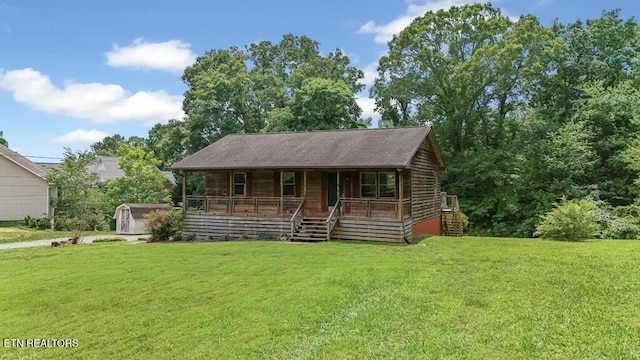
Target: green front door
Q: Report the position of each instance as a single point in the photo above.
(332, 189)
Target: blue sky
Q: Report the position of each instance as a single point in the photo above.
(74, 71)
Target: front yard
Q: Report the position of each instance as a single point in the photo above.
(447, 298)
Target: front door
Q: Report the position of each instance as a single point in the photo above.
(332, 189)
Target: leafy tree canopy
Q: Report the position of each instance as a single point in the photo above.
(269, 86)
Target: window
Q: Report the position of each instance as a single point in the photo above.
(289, 184)
(378, 185)
(239, 183)
(387, 184)
(368, 184)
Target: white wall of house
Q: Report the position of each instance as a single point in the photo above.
(22, 193)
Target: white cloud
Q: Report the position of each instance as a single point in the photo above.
(370, 72)
(96, 102)
(385, 32)
(368, 106)
(172, 55)
(78, 137)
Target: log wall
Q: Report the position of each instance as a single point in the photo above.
(220, 226)
(425, 184)
(377, 230)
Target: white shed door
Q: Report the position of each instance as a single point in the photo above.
(125, 215)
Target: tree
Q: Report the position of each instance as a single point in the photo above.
(167, 141)
(321, 104)
(142, 182)
(79, 203)
(109, 145)
(256, 89)
(2, 140)
(466, 71)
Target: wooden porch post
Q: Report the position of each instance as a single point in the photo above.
(230, 196)
(400, 195)
(281, 192)
(184, 192)
(304, 184)
(338, 185)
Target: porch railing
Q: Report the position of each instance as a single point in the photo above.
(332, 220)
(375, 208)
(297, 217)
(242, 205)
(449, 202)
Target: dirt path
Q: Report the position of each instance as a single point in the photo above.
(85, 240)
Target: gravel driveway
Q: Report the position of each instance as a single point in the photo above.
(85, 240)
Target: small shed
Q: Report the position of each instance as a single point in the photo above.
(130, 217)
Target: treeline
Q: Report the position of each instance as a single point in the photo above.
(525, 114)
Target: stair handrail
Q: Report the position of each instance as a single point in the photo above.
(332, 220)
(297, 217)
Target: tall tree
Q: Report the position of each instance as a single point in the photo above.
(142, 182)
(2, 140)
(108, 146)
(465, 70)
(167, 141)
(469, 72)
(254, 89)
(79, 203)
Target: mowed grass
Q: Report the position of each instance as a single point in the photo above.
(16, 234)
(446, 298)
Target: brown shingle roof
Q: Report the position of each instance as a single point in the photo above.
(22, 161)
(363, 148)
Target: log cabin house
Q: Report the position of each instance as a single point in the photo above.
(365, 184)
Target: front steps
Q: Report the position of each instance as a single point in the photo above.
(311, 229)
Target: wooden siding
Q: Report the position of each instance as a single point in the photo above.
(216, 183)
(374, 229)
(425, 184)
(316, 199)
(262, 183)
(234, 227)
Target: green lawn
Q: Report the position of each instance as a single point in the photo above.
(15, 234)
(446, 298)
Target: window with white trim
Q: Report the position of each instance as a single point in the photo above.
(239, 183)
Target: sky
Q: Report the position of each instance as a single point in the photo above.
(75, 71)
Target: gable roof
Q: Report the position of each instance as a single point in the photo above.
(107, 168)
(22, 161)
(361, 148)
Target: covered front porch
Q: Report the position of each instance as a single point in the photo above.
(311, 202)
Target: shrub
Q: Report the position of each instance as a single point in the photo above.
(29, 222)
(573, 220)
(189, 237)
(43, 223)
(621, 222)
(163, 225)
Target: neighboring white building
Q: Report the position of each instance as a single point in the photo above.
(23, 188)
